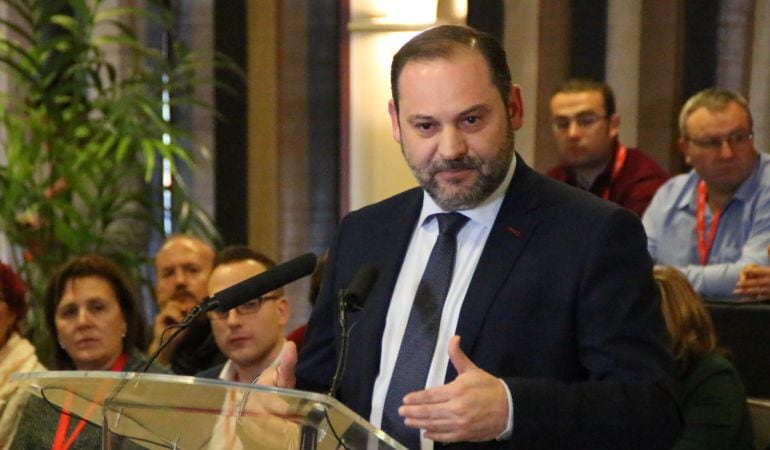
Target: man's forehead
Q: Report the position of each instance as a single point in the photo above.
(705, 119)
(231, 273)
(457, 55)
(180, 250)
(464, 80)
(576, 102)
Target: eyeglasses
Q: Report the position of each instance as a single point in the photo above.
(250, 307)
(581, 120)
(735, 140)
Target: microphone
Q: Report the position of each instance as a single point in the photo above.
(351, 299)
(260, 284)
(355, 295)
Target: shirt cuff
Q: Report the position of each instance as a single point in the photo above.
(506, 434)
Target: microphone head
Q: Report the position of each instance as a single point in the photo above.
(265, 282)
(360, 286)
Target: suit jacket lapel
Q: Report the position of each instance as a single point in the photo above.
(509, 235)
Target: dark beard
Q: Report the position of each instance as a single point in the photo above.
(491, 174)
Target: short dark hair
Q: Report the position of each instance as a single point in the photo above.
(93, 265)
(713, 99)
(442, 42)
(237, 253)
(575, 85)
(13, 292)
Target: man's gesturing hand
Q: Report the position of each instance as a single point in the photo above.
(473, 407)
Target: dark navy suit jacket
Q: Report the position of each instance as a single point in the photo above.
(562, 307)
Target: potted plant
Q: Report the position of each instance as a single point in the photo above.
(83, 134)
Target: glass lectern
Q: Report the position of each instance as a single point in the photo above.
(178, 412)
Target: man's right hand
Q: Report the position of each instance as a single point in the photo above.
(173, 313)
(282, 375)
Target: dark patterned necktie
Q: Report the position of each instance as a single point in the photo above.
(419, 342)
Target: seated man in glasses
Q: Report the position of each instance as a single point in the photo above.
(252, 334)
(715, 220)
(585, 126)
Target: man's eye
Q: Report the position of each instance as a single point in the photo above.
(471, 120)
(424, 126)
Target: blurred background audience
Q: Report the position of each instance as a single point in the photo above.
(714, 220)
(586, 127)
(716, 414)
(16, 353)
(96, 324)
(182, 268)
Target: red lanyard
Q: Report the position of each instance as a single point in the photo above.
(60, 439)
(704, 247)
(620, 160)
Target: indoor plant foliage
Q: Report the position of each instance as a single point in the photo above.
(83, 133)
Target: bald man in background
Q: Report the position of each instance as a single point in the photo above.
(182, 268)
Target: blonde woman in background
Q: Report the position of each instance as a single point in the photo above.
(714, 407)
(16, 353)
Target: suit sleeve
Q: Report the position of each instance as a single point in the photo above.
(627, 394)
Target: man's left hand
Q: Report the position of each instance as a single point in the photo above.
(754, 282)
(473, 407)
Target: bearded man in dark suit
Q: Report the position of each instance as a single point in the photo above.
(550, 335)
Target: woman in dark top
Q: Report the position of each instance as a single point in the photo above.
(716, 415)
(96, 324)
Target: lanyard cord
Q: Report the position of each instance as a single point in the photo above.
(704, 246)
(60, 439)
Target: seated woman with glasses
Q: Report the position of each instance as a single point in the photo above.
(95, 324)
(713, 399)
(16, 353)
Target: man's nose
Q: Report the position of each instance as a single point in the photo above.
(573, 130)
(233, 319)
(725, 150)
(180, 277)
(452, 144)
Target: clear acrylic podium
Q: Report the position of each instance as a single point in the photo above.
(156, 411)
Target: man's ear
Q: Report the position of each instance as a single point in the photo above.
(515, 107)
(395, 127)
(284, 310)
(614, 126)
(684, 147)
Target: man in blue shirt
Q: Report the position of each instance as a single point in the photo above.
(715, 220)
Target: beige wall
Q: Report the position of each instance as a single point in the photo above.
(377, 169)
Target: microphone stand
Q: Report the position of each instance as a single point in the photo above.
(344, 305)
(308, 433)
(204, 306)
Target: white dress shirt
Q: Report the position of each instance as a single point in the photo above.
(470, 243)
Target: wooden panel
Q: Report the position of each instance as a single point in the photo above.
(263, 125)
(660, 80)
